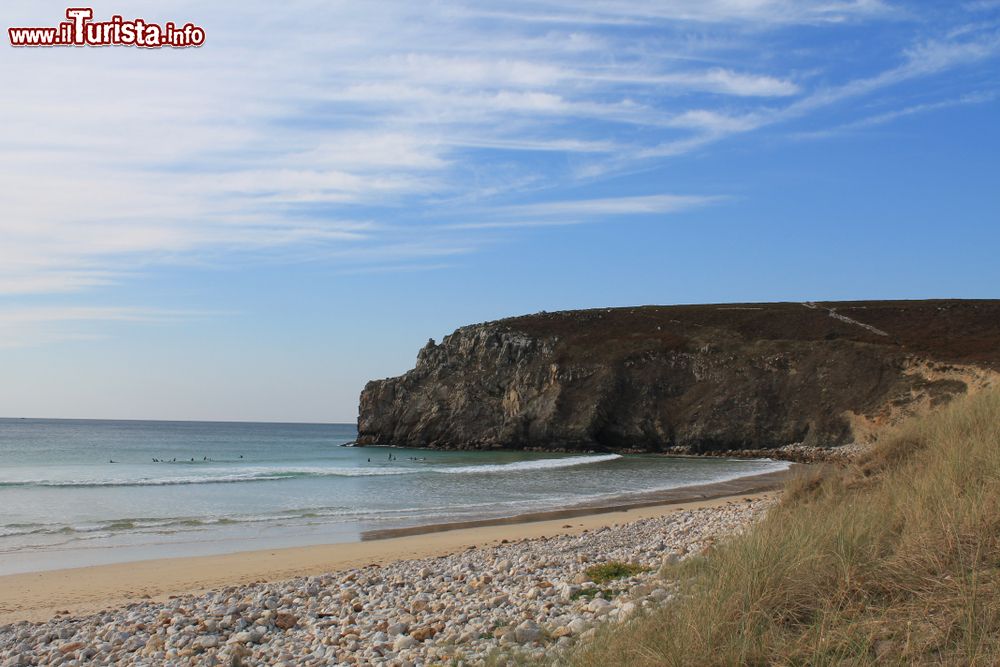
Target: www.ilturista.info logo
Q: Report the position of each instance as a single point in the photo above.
(80, 30)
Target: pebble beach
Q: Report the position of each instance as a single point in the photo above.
(529, 596)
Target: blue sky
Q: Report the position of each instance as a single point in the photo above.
(252, 229)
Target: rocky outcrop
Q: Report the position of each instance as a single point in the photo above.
(699, 378)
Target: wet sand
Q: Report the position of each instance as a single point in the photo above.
(751, 484)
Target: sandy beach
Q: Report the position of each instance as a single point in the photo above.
(38, 596)
(400, 598)
(456, 597)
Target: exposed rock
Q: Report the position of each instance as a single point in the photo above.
(285, 621)
(567, 591)
(241, 638)
(527, 632)
(686, 378)
(659, 595)
(422, 633)
(396, 629)
(627, 610)
(600, 606)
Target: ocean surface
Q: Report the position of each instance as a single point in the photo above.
(194, 488)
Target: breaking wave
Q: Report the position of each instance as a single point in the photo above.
(270, 474)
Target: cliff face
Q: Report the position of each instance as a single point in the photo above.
(700, 377)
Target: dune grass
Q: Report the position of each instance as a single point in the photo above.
(893, 560)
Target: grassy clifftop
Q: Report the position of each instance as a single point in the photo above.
(893, 560)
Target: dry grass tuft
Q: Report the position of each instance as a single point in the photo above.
(894, 560)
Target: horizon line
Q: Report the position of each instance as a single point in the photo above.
(181, 421)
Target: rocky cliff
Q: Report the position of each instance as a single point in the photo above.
(700, 378)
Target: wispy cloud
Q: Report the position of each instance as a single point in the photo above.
(30, 326)
(348, 134)
(611, 206)
(982, 5)
(889, 116)
(394, 268)
(924, 59)
(754, 12)
(577, 211)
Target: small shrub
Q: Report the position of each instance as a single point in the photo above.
(600, 574)
(590, 593)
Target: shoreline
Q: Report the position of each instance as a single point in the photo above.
(746, 485)
(531, 594)
(38, 596)
(792, 453)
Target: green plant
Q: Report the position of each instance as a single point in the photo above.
(605, 572)
(590, 593)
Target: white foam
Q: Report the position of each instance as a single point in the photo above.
(263, 473)
(217, 477)
(541, 464)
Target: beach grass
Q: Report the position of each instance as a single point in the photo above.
(894, 559)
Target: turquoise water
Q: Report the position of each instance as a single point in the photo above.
(189, 488)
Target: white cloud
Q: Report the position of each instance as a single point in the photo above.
(576, 211)
(925, 59)
(981, 5)
(889, 116)
(735, 83)
(714, 122)
(754, 12)
(342, 132)
(31, 326)
(394, 268)
(612, 206)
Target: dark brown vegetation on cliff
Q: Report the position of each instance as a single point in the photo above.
(962, 331)
(700, 378)
(892, 560)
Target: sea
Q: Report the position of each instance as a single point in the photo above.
(87, 492)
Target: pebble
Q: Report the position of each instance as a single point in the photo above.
(600, 607)
(456, 609)
(528, 631)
